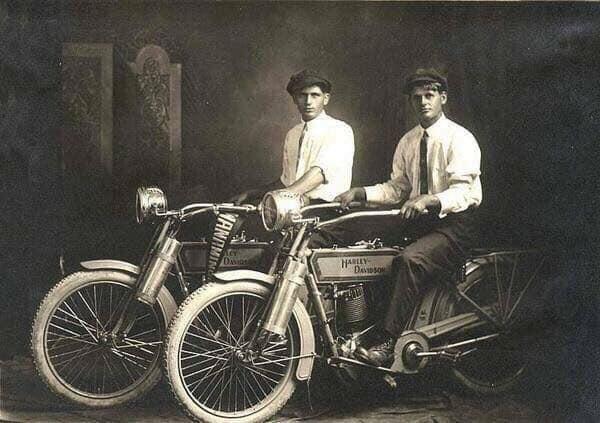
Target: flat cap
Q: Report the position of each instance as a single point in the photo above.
(307, 78)
(424, 76)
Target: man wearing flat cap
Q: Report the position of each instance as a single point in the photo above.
(318, 152)
(435, 178)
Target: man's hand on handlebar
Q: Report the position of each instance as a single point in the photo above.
(419, 206)
(357, 194)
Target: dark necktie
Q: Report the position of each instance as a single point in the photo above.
(304, 130)
(423, 164)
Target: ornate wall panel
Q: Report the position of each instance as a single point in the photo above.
(158, 109)
(87, 97)
(87, 136)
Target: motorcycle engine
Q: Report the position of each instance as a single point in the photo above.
(353, 309)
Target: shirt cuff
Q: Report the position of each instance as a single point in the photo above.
(373, 194)
(325, 179)
(445, 203)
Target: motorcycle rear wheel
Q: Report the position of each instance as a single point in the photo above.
(74, 353)
(500, 364)
(207, 378)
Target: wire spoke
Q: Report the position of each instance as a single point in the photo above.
(257, 384)
(124, 298)
(224, 365)
(499, 289)
(57, 339)
(209, 340)
(131, 358)
(88, 349)
(255, 313)
(94, 315)
(83, 324)
(129, 337)
(258, 372)
(524, 290)
(225, 325)
(512, 279)
(212, 356)
(73, 322)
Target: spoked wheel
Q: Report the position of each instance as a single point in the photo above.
(73, 348)
(210, 371)
(505, 285)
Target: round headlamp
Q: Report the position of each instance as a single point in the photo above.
(278, 208)
(148, 202)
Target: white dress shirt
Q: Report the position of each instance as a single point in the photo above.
(327, 144)
(453, 168)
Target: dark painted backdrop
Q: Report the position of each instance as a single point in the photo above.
(523, 77)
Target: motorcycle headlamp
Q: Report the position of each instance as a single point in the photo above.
(148, 202)
(278, 208)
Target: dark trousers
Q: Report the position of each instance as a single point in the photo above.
(441, 246)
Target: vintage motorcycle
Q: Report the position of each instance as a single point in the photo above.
(97, 335)
(238, 345)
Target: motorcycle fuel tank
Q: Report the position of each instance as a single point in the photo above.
(244, 255)
(351, 264)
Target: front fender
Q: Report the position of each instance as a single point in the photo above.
(236, 275)
(307, 335)
(109, 264)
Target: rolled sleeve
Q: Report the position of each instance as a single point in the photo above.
(398, 187)
(286, 176)
(335, 157)
(463, 170)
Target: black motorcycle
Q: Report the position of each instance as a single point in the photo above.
(238, 345)
(97, 336)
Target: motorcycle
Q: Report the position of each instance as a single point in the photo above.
(239, 345)
(97, 335)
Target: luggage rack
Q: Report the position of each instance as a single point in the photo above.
(514, 271)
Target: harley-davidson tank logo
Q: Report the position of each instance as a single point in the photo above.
(195, 256)
(240, 257)
(335, 266)
(362, 265)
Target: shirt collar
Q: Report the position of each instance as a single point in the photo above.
(436, 127)
(321, 116)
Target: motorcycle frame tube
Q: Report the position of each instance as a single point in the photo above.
(305, 328)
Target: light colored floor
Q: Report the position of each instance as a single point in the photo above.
(23, 398)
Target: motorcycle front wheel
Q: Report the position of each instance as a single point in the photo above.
(73, 349)
(206, 365)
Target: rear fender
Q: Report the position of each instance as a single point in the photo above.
(307, 335)
(440, 297)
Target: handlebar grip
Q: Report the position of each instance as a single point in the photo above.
(356, 204)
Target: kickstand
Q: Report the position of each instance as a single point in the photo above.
(308, 394)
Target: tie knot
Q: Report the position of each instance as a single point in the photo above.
(425, 134)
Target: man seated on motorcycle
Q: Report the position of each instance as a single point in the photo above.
(318, 152)
(435, 176)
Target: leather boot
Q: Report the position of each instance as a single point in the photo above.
(381, 355)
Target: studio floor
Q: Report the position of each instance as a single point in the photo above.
(424, 399)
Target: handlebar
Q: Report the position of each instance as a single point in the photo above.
(332, 205)
(196, 209)
(356, 215)
(345, 217)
